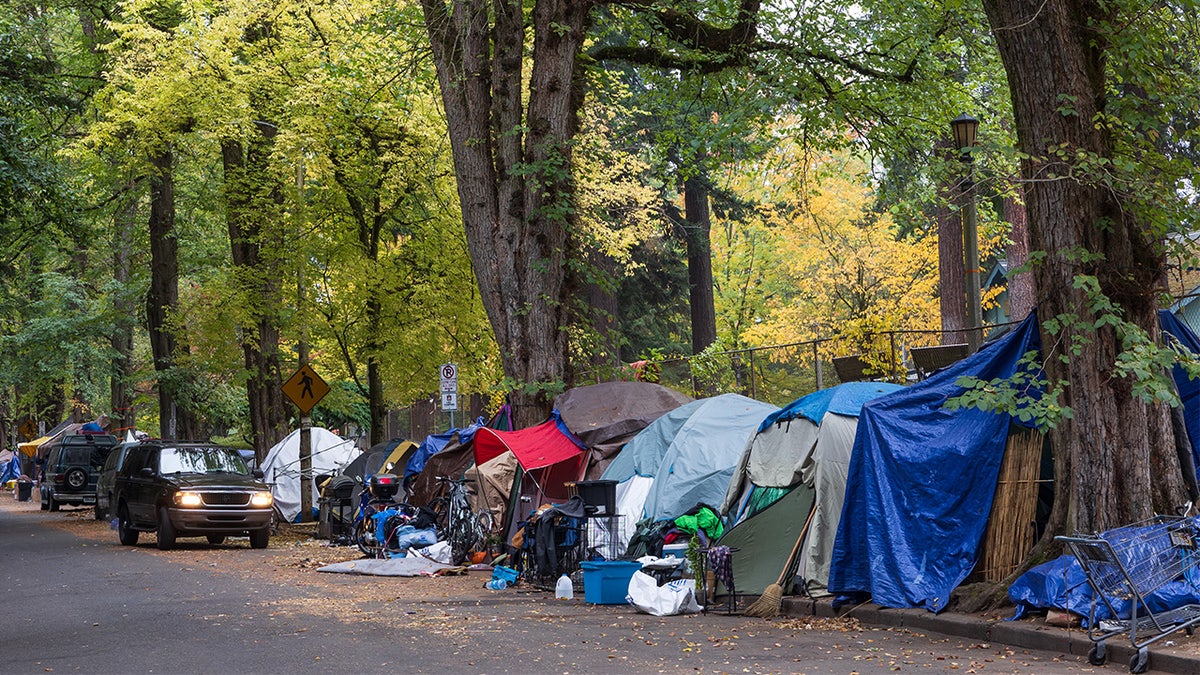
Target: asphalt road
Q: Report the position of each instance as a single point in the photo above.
(83, 603)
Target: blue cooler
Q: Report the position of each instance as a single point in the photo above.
(607, 582)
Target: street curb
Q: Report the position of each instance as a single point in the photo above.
(981, 628)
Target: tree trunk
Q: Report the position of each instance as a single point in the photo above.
(699, 253)
(1107, 454)
(174, 417)
(122, 414)
(951, 291)
(250, 211)
(1020, 284)
(513, 172)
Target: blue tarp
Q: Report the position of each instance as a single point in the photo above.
(434, 443)
(921, 483)
(10, 470)
(1189, 390)
(844, 399)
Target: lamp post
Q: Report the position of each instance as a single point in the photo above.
(965, 128)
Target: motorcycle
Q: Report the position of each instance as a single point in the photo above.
(378, 514)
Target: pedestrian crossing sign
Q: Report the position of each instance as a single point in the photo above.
(305, 388)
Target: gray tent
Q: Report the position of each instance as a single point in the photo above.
(804, 448)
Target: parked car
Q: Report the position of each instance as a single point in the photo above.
(71, 469)
(189, 489)
(108, 474)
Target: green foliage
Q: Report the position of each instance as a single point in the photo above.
(1026, 395)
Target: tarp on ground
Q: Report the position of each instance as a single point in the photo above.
(921, 482)
(684, 458)
(435, 443)
(608, 415)
(412, 566)
(330, 455)
(1189, 390)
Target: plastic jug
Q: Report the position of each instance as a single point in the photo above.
(564, 589)
(497, 584)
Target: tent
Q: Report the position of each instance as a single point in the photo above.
(435, 443)
(920, 484)
(30, 449)
(453, 460)
(1189, 390)
(548, 455)
(606, 416)
(330, 455)
(684, 458)
(10, 466)
(922, 479)
(806, 444)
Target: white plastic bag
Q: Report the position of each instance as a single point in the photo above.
(676, 597)
(439, 552)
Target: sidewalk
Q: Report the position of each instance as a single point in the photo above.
(1183, 656)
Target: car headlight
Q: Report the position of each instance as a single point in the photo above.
(261, 500)
(188, 499)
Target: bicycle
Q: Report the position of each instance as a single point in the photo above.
(376, 506)
(456, 523)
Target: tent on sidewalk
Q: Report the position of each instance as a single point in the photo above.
(547, 457)
(805, 445)
(915, 462)
(330, 455)
(608, 415)
(684, 458)
(452, 461)
(435, 443)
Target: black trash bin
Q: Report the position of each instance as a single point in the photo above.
(24, 490)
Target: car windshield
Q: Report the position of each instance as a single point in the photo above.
(200, 460)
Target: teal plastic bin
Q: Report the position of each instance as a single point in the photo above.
(607, 582)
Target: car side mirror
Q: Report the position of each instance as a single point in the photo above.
(146, 472)
(258, 473)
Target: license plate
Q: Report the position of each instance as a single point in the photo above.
(89, 500)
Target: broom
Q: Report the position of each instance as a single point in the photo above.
(767, 605)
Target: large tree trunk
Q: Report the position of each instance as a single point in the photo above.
(1108, 453)
(124, 223)
(250, 204)
(174, 417)
(513, 173)
(699, 252)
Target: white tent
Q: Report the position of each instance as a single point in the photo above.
(330, 454)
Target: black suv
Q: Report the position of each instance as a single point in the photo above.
(71, 468)
(185, 489)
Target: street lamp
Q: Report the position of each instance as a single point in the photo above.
(964, 127)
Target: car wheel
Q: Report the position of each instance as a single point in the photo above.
(100, 512)
(125, 531)
(260, 538)
(52, 501)
(166, 531)
(42, 498)
(216, 539)
(76, 478)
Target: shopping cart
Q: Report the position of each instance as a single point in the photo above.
(1126, 565)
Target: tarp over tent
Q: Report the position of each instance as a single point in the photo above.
(330, 454)
(606, 416)
(921, 482)
(1189, 390)
(435, 443)
(916, 464)
(684, 458)
(548, 451)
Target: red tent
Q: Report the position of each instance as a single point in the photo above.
(548, 453)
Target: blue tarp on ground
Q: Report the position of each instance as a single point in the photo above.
(921, 483)
(434, 443)
(1189, 390)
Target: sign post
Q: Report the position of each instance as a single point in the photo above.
(305, 388)
(448, 375)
